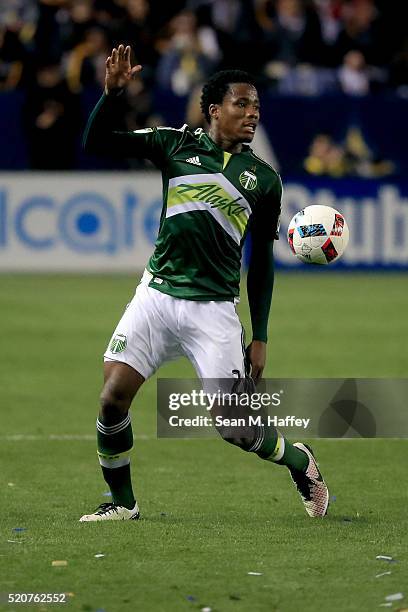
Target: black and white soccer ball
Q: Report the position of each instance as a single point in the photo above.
(318, 234)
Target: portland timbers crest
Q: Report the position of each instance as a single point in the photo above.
(118, 344)
(248, 180)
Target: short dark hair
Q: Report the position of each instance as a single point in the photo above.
(217, 86)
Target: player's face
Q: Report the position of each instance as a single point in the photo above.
(238, 115)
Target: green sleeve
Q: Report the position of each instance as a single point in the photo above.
(103, 136)
(260, 286)
(264, 230)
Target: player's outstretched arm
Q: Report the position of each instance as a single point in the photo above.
(102, 135)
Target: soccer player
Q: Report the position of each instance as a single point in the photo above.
(215, 190)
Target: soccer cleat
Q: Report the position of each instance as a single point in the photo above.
(310, 484)
(112, 512)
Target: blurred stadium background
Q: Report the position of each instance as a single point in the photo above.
(333, 80)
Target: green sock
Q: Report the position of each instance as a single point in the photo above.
(294, 458)
(277, 449)
(114, 445)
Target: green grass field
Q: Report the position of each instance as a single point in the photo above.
(211, 513)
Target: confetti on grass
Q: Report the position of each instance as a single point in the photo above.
(383, 574)
(19, 529)
(394, 597)
(386, 558)
(99, 555)
(254, 573)
(59, 563)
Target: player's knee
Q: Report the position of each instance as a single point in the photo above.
(244, 441)
(114, 403)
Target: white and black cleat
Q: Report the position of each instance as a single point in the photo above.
(112, 512)
(310, 484)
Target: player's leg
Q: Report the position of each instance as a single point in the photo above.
(141, 342)
(114, 430)
(115, 441)
(215, 348)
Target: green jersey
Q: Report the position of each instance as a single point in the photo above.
(211, 199)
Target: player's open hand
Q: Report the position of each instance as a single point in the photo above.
(119, 70)
(256, 354)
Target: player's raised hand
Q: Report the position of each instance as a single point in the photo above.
(119, 70)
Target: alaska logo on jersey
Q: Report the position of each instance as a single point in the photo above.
(214, 195)
(248, 180)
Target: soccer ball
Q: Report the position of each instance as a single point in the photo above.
(318, 234)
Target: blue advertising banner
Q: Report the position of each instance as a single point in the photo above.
(109, 221)
(376, 213)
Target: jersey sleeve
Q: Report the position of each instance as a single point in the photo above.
(103, 135)
(265, 222)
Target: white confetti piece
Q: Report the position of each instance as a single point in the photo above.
(254, 573)
(383, 574)
(99, 555)
(394, 597)
(384, 558)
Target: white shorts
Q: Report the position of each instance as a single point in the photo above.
(157, 327)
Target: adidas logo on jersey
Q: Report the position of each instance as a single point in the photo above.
(194, 160)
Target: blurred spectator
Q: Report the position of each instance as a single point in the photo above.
(352, 158)
(291, 33)
(48, 42)
(353, 75)
(51, 121)
(107, 10)
(17, 9)
(161, 13)
(303, 80)
(234, 24)
(329, 12)
(87, 61)
(184, 62)
(135, 28)
(75, 21)
(360, 31)
(362, 161)
(11, 59)
(325, 157)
